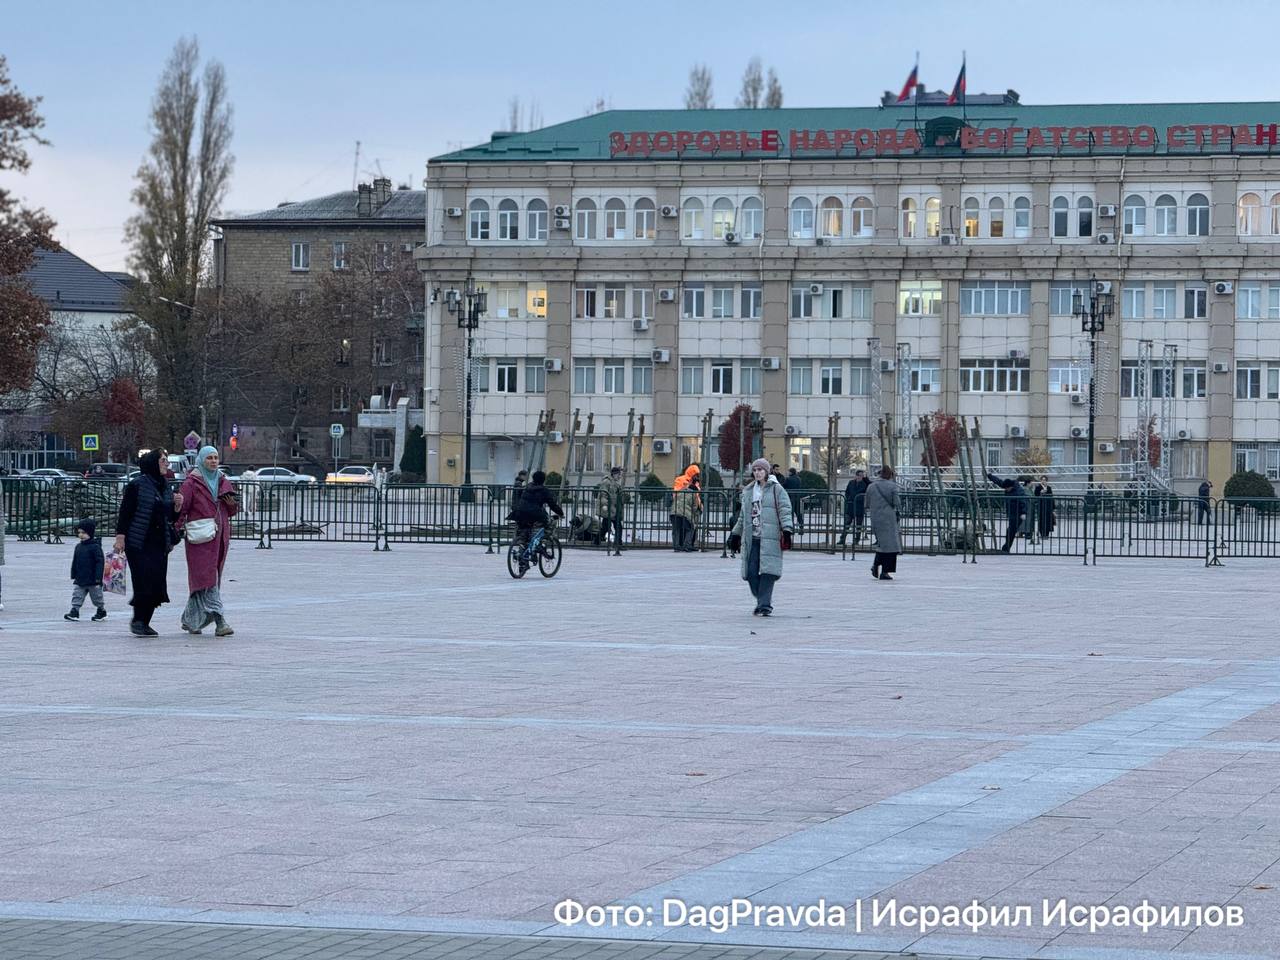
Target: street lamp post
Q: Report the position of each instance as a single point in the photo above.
(467, 305)
(1093, 312)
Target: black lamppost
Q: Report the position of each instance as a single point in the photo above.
(467, 305)
(1093, 313)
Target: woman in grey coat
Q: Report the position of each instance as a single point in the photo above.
(766, 516)
(883, 505)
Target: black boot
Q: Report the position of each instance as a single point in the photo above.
(100, 615)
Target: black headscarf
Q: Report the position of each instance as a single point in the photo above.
(149, 465)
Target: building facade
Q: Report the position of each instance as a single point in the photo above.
(349, 254)
(865, 262)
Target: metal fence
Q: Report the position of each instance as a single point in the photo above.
(950, 523)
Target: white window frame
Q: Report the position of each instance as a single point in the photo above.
(508, 372)
(751, 219)
(693, 224)
(615, 219)
(536, 217)
(646, 219)
(478, 224)
(800, 378)
(508, 219)
(585, 219)
(751, 379)
(614, 379)
(722, 377)
(801, 222)
(752, 302)
(300, 256)
(642, 377)
(340, 259)
(535, 375)
(691, 377)
(693, 302)
(584, 376)
(721, 302)
(831, 378)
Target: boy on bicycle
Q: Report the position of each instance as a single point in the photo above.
(531, 509)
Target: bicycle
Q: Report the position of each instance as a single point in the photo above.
(543, 546)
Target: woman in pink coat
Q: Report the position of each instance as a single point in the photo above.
(206, 495)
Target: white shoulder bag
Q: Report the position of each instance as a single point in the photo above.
(201, 531)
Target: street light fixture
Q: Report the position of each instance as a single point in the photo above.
(467, 305)
(1093, 311)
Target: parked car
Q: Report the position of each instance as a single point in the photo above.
(281, 475)
(108, 471)
(351, 475)
(51, 475)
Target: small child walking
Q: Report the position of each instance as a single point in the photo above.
(86, 572)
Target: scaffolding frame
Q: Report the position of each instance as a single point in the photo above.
(902, 414)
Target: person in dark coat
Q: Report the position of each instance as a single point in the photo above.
(1046, 513)
(86, 572)
(1202, 502)
(1015, 496)
(884, 503)
(145, 534)
(531, 509)
(855, 506)
(794, 487)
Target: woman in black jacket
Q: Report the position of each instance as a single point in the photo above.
(145, 534)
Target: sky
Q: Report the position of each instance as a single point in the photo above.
(408, 80)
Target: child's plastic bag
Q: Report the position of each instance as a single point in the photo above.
(113, 573)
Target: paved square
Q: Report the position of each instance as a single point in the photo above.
(412, 741)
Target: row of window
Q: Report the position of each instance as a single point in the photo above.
(1176, 213)
(341, 252)
(1260, 458)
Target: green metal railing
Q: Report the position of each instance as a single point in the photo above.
(950, 523)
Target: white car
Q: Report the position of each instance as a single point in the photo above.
(280, 475)
(51, 475)
(351, 475)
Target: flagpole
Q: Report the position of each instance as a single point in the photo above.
(964, 93)
(915, 95)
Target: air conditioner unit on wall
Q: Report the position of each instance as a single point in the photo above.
(1106, 209)
(640, 324)
(1078, 400)
(886, 366)
(670, 210)
(1105, 238)
(1102, 286)
(1222, 368)
(666, 295)
(815, 289)
(661, 446)
(561, 210)
(1224, 287)
(454, 211)
(792, 430)
(1183, 435)
(562, 223)
(1078, 432)
(552, 365)
(730, 237)
(948, 239)
(1106, 448)
(661, 356)
(1017, 354)
(555, 436)
(1017, 431)
(821, 242)
(771, 363)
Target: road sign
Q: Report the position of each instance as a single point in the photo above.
(191, 441)
(235, 429)
(89, 441)
(336, 430)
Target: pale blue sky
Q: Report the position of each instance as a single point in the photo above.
(410, 80)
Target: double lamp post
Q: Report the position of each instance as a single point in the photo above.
(1093, 309)
(467, 305)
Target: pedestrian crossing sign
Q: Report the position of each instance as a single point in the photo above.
(89, 441)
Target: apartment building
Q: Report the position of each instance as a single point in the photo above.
(864, 262)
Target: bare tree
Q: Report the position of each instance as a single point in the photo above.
(533, 118)
(698, 95)
(773, 96)
(24, 318)
(752, 85)
(180, 187)
(514, 115)
(597, 106)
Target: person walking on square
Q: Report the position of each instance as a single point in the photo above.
(1202, 502)
(248, 489)
(1015, 497)
(608, 501)
(767, 509)
(855, 506)
(685, 506)
(209, 502)
(883, 506)
(145, 534)
(1046, 508)
(793, 487)
(86, 572)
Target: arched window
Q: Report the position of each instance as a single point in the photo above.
(536, 220)
(1275, 214)
(1061, 216)
(694, 220)
(1247, 214)
(1022, 216)
(908, 218)
(722, 218)
(1198, 215)
(646, 219)
(479, 221)
(585, 221)
(1166, 215)
(932, 217)
(615, 219)
(995, 208)
(862, 218)
(751, 223)
(831, 219)
(1135, 216)
(971, 216)
(802, 218)
(1084, 217)
(508, 220)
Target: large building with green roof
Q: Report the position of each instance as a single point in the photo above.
(873, 263)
